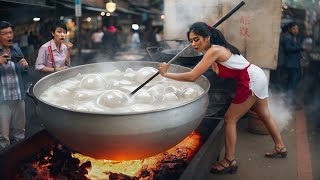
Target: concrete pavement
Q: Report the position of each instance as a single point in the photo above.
(250, 152)
(301, 137)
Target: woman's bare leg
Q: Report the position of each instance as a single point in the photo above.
(233, 114)
(262, 109)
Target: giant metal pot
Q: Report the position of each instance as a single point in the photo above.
(119, 136)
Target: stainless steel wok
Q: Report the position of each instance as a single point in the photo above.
(119, 136)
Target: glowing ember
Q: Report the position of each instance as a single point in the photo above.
(57, 162)
(101, 169)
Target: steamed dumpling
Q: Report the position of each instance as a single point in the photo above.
(145, 73)
(143, 97)
(155, 93)
(113, 98)
(129, 70)
(79, 76)
(170, 97)
(94, 82)
(85, 95)
(63, 92)
(130, 76)
(160, 88)
(172, 89)
(189, 93)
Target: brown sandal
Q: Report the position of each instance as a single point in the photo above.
(230, 169)
(280, 153)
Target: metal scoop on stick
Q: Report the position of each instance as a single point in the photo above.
(176, 56)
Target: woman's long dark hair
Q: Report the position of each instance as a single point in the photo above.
(216, 37)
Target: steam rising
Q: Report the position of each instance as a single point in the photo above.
(279, 110)
(181, 14)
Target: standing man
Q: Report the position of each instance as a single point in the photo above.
(13, 68)
(292, 48)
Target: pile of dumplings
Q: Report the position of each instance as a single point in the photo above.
(109, 92)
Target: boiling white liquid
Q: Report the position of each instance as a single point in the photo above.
(109, 92)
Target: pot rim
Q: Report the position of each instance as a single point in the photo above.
(173, 52)
(119, 113)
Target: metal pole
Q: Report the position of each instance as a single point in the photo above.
(78, 35)
(78, 14)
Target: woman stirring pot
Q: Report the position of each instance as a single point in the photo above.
(251, 89)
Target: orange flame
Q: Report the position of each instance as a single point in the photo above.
(101, 168)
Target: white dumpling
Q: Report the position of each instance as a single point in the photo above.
(63, 92)
(81, 96)
(129, 70)
(170, 97)
(160, 88)
(116, 72)
(130, 75)
(79, 76)
(85, 95)
(125, 82)
(70, 86)
(145, 73)
(189, 93)
(115, 82)
(113, 98)
(172, 89)
(93, 81)
(155, 93)
(143, 97)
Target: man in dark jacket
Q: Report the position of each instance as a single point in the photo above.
(292, 48)
(13, 68)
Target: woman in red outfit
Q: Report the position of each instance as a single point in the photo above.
(251, 89)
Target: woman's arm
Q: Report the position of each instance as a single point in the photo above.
(208, 59)
(48, 69)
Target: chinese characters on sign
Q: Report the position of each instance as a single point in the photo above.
(244, 22)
